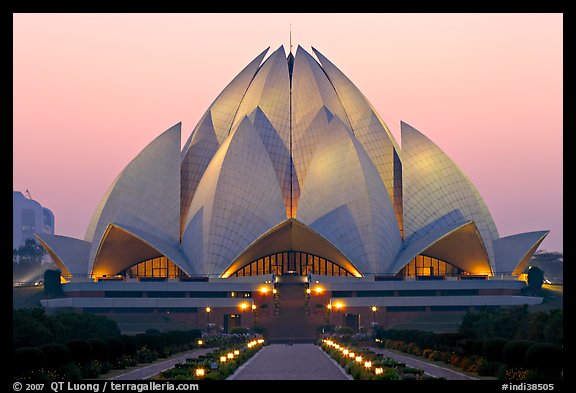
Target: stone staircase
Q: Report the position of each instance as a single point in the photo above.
(291, 320)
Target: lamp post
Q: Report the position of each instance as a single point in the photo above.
(254, 316)
(374, 309)
(243, 307)
(208, 311)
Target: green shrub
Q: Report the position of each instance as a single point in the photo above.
(477, 347)
(239, 330)
(26, 359)
(131, 344)
(145, 355)
(81, 351)
(100, 349)
(125, 361)
(71, 372)
(425, 339)
(545, 358)
(116, 346)
(515, 353)
(257, 329)
(493, 349)
(106, 367)
(344, 331)
(57, 355)
(91, 369)
(489, 369)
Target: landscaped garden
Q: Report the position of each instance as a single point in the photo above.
(364, 364)
(509, 344)
(216, 365)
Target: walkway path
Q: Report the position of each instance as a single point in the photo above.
(156, 368)
(429, 368)
(298, 361)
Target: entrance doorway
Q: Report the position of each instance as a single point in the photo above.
(232, 321)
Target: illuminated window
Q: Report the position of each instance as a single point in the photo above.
(423, 265)
(160, 267)
(294, 261)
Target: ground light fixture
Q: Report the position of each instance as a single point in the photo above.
(200, 372)
(222, 359)
(378, 370)
(200, 342)
(368, 364)
(236, 352)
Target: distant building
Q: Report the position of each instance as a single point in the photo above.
(29, 217)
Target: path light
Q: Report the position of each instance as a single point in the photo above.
(230, 355)
(352, 355)
(359, 359)
(345, 352)
(223, 359)
(199, 372)
(260, 341)
(368, 364)
(200, 342)
(378, 370)
(236, 352)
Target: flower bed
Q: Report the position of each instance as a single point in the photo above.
(216, 365)
(364, 364)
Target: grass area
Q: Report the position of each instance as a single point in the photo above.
(133, 324)
(434, 322)
(117, 372)
(24, 297)
(440, 364)
(553, 296)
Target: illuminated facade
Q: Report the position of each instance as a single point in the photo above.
(290, 172)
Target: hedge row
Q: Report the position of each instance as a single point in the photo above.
(499, 354)
(89, 358)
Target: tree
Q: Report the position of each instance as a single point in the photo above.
(535, 278)
(27, 260)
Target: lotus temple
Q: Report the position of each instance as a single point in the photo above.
(291, 206)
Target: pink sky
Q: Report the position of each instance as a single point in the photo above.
(92, 90)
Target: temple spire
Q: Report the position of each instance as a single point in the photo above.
(290, 37)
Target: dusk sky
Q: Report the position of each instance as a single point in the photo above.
(92, 90)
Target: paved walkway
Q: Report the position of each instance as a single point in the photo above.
(156, 368)
(429, 368)
(282, 362)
